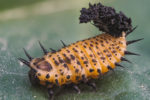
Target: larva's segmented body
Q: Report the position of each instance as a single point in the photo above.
(82, 60)
(87, 59)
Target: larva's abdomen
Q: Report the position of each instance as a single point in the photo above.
(85, 59)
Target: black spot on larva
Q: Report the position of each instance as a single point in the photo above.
(91, 55)
(102, 45)
(62, 73)
(117, 47)
(72, 57)
(56, 75)
(49, 55)
(98, 53)
(56, 63)
(84, 46)
(68, 77)
(74, 50)
(64, 55)
(93, 60)
(65, 65)
(47, 76)
(82, 58)
(68, 51)
(103, 58)
(91, 70)
(112, 44)
(39, 74)
(77, 70)
(104, 51)
(78, 63)
(81, 51)
(86, 43)
(60, 60)
(101, 41)
(96, 39)
(109, 67)
(98, 70)
(96, 43)
(91, 45)
(67, 60)
(90, 48)
(114, 51)
(85, 62)
(86, 65)
(108, 55)
(34, 63)
(60, 70)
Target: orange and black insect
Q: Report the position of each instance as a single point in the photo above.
(87, 59)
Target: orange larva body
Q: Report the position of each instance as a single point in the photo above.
(86, 59)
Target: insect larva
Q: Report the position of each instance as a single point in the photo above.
(87, 59)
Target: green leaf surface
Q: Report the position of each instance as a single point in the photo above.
(61, 23)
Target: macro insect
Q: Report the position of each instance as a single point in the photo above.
(87, 59)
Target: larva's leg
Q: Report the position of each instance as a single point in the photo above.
(76, 88)
(51, 94)
(92, 84)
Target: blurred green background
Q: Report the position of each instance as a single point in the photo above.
(24, 22)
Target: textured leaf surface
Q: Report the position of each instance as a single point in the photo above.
(130, 83)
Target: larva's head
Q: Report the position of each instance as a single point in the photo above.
(36, 65)
(39, 68)
(106, 19)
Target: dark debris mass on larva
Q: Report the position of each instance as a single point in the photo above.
(106, 19)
